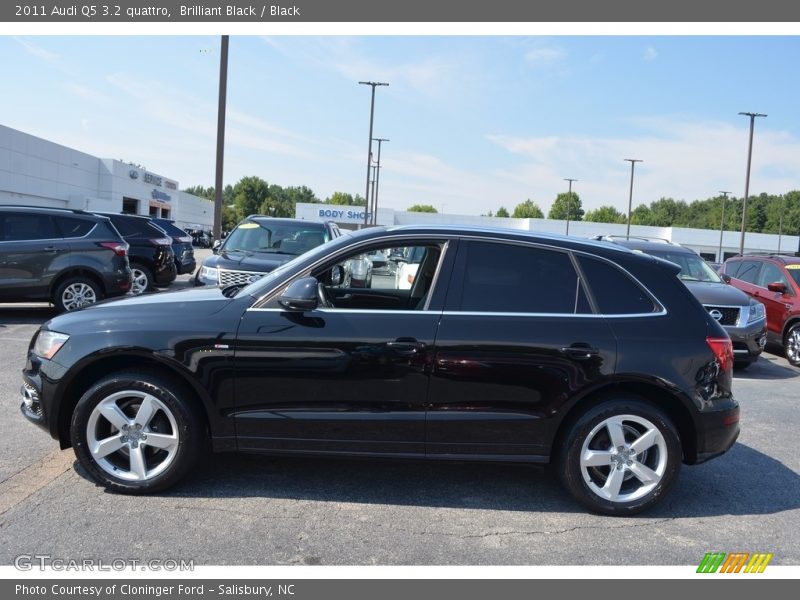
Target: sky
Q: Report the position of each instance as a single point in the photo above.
(474, 122)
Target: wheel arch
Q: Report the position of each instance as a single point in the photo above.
(668, 401)
(88, 373)
(77, 272)
(790, 322)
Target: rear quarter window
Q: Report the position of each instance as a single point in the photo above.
(614, 291)
(72, 227)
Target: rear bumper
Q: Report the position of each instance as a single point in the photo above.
(718, 430)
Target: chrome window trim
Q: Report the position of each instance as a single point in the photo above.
(454, 313)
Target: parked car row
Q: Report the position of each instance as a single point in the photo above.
(73, 258)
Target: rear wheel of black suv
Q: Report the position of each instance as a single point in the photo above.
(136, 432)
(620, 457)
(141, 279)
(791, 345)
(76, 292)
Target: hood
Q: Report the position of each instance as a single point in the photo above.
(145, 311)
(263, 262)
(717, 293)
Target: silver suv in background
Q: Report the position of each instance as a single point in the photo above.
(741, 316)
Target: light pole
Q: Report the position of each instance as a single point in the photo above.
(633, 162)
(722, 224)
(569, 201)
(377, 182)
(369, 150)
(780, 223)
(223, 89)
(752, 116)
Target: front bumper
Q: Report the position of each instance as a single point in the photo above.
(748, 341)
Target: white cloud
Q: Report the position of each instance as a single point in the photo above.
(544, 56)
(650, 53)
(85, 92)
(38, 51)
(683, 159)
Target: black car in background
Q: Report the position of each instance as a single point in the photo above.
(743, 318)
(181, 246)
(150, 254)
(509, 346)
(68, 257)
(259, 244)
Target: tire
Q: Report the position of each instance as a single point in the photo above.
(141, 279)
(136, 452)
(791, 345)
(76, 292)
(642, 479)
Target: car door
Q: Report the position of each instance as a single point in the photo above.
(516, 341)
(778, 304)
(351, 377)
(31, 254)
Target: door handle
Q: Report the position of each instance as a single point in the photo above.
(52, 249)
(405, 346)
(580, 351)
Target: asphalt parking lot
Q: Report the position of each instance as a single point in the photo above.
(243, 509)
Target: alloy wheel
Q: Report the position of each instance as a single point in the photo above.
(623, 458)
(140, 281)
(77, 295)
(132, 435)
(793, 346)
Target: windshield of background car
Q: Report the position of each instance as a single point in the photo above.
(693, 268)
(794, 271)
(252, 236)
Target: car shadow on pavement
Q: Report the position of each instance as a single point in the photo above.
(25, 315)
(742, 482)
(768, 366)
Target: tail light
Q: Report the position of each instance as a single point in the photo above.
(119, 248)
(165, 241)
(723, 351)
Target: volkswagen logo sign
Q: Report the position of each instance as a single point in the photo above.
(716, 315)
(134, 174)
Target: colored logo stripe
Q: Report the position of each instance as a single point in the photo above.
(711, 562)
(758, 563)
(734, 562)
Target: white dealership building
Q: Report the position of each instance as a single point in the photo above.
(37, 172)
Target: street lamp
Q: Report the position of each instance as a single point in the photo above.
(752, 116)
(569, 201)
(369, 151)
(722, 224)
(223, 92)
(633, 162)
(377, 182)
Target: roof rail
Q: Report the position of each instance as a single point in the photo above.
(64, 209)
(640, 238)
(772, 254)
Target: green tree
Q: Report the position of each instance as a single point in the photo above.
(566, 204)
(528, 210)
(502, 212)
(605, 214)
(424, 208)
(340, 198)
(250, 195)
(641, 215)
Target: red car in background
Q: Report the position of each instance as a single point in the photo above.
(774, 280)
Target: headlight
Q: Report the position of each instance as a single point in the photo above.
(48, 343)
(209, 274)
(757, 311)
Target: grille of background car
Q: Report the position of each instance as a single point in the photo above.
(227, 277)
(730, 314)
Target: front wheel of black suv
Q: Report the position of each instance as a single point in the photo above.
(620, 457)
(791, 345)
(136, 432)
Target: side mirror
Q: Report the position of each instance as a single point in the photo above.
(215, 246)
(777, 286)
(725, 277)
(301, 295)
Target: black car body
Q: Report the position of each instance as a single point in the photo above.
(181, 246)
(259, 244)
(743, 318)
(150, 254)
(509, 346)
(68, 257)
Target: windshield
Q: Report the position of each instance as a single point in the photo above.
(794, 271)
(693, 268)
(284, 238)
